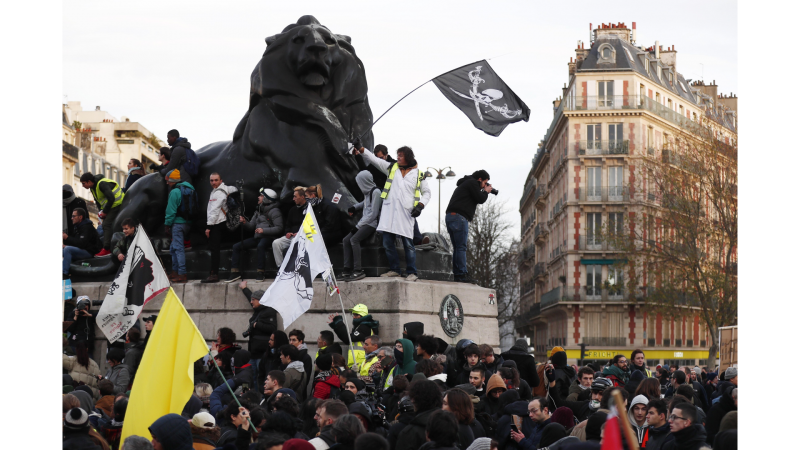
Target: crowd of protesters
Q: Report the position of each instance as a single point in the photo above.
(413, 392)
(388, 212)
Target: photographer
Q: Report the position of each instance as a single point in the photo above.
(82, 327)
(472, 191)
(261, 325)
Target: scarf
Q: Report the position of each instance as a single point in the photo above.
(130, 172)
(313, 201)
(617, 372)
(323, 374)
(302, 347)
(366, 320)
(297, 365)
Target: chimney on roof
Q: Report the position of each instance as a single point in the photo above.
(633, 33)
(657, 48)
(97, 108)
(669, 57)
(618, 30)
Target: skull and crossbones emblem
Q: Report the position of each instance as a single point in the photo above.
(486, 97)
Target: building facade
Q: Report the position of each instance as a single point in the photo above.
(96, 142)
(622, 102)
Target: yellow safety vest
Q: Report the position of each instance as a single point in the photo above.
(388, 185)
(388, 379)
(364, 372)
(360, 353)
(101, 198)
(317, 355)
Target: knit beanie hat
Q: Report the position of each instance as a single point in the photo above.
(174, 176)
(297, 444)
(731, 372)
(483, 443)
(564, 416)
(594, 426)
(521, 343)
(258, 294)
(468, 388)
(711, 376)
(76, 419)
(552, 433)
(559, 358)
(510, 363)
(325, 362)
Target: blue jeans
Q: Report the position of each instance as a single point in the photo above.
(417, 235)
(458, 229)
(69, 253)
(176, 249)
(261, 245)
(391, 253)
(254, 366)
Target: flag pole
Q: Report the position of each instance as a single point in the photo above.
(344, 316)
(626, 429)
(390, 108)
(229, 388)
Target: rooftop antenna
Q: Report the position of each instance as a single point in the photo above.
(702, 69)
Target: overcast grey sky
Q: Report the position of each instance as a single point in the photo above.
(186, 65)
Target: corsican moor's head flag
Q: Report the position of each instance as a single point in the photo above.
(139, 279)
(479, 93)
(291, 292)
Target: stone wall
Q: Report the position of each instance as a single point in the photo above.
(391, 301)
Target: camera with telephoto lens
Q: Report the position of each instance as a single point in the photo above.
(493, 191)
(246, 333)
(82, 305)
(375, 406)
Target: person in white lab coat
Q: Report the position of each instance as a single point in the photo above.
(404, 195)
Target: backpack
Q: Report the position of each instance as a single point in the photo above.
(192, 163)
(189, 208)
(541, 389)
(233, 209)
(487, 422)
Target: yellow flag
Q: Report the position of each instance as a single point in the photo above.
(309, 228)
(165, 378)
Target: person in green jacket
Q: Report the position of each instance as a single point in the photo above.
(404, 358)
(178, 223)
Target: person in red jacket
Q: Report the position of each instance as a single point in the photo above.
(326, 383)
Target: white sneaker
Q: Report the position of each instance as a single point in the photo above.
(412, 277)
(390, 273)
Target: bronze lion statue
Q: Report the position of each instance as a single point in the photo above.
(308, 100)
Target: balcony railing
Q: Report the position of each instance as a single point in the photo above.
(594, 242)
(594, 293)
(622, 102)
(539, 270)
(604, 194)
(558, 250)
(539, 194)
(550, 298)
(538, 232)
(525, 194)
(613, 147)
(557, 207)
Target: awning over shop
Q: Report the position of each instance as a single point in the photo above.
(602, 262)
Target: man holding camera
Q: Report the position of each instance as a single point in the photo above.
(471, 191)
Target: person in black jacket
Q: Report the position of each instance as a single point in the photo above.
(526, 364)
(135, 171)
(377, 176)
(472, 191)
(327, 214)
(82, 244)
(298, 339)
(262, 324)
(177, 158)
(294, 220)
(726, 404)
(427, 398)
(688, 434)
(444, 433)
(70, 202)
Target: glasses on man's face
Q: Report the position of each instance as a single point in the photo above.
(534, 411)
(673, 417)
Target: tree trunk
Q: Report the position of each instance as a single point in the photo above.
(712, 351)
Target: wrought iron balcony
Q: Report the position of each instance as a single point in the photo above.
(624, 102)
(550, 298)
(604, 194)
(598, 148)
(595, 242)
(539, 270)
(540, 195)
(594, 293)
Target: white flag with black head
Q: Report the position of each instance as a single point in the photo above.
(292, 291)
(479, 93)
(139, 279)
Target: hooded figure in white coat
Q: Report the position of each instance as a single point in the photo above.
(404, 195)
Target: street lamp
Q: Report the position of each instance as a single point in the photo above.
(440, 177)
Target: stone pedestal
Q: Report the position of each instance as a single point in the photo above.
(392, 301)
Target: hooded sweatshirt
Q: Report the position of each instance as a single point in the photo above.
(216, 204)
(177, 158)
(640, 430)
(404, 360)
(371, 205)
(467, 196)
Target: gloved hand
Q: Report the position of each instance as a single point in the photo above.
(351, 210)
(551, 374)
(353, 230)
(417, 210)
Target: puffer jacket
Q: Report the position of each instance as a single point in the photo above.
(371, 206)
(120, 376)
(87, 375)
(267, 217)
(216, 204)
